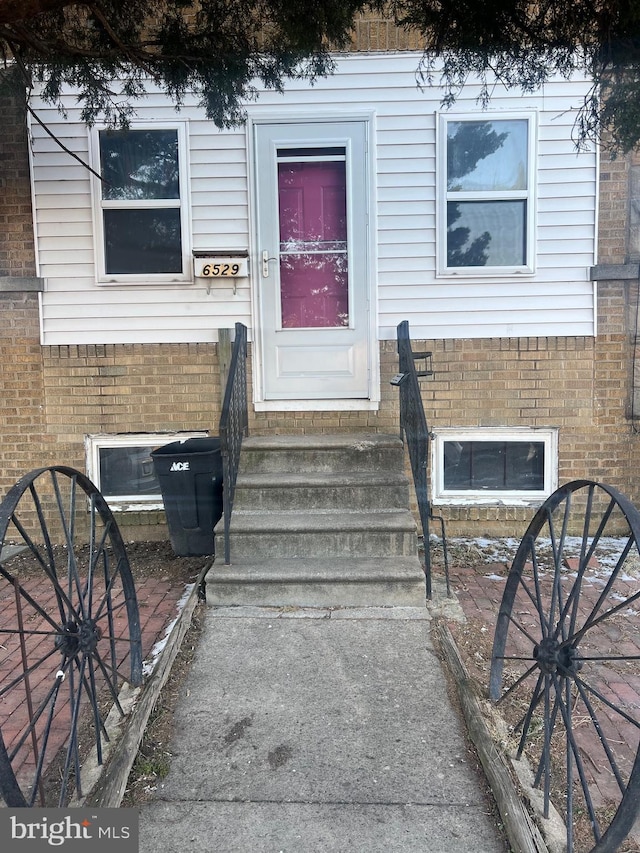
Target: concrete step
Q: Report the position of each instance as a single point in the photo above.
(317, 582)
(329, 453)
(321, 490)
(325, 533)
(321, 521)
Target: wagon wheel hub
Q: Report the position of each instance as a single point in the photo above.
(553, 656)
(78, 637)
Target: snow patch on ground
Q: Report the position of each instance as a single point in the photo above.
(609, 551)
(149, 664)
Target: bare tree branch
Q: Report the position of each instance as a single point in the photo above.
(59, 142)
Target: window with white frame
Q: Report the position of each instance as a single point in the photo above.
(122, 468)
(510, 466)
(141, 204)
(486, 191)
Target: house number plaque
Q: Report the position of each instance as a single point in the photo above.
(221, 267)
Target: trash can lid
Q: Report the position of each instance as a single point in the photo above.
(189, 445)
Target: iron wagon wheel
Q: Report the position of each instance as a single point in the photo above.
(565, 655)
(69, 633)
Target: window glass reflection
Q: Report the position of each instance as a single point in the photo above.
(494, 465)
(486, 233)
(314, 290)
(142, 241)
(127, 471)
(314, 279)
(487, 155)
(139, 164)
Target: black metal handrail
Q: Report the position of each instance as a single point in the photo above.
(234, 425)
(414, 429)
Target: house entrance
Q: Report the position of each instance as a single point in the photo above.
(313, 291)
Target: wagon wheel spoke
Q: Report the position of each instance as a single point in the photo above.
(523, 724)
(573, 762)
(40, 750)
(601, 735)
(565, 637)
(70, 618)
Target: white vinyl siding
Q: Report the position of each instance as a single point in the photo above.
(557, 300)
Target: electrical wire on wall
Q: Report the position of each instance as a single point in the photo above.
(635, 367)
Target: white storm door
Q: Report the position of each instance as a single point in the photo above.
(313, 262)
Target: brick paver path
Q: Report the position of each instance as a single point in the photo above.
(480, 590)
(158, 602)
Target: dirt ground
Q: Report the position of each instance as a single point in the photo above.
(152, 762)
(154, 756)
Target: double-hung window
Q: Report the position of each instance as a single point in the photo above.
(141, 205)
(486, 192)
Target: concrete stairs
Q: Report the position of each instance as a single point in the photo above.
(320, 521)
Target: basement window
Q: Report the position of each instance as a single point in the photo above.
(122, 468)
(517, 467)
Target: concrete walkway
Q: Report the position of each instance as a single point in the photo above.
(305, 731)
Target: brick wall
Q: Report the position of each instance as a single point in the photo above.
(21, 389)
(17, 257)
(374, 32)
(614, 207)
(578, 385)
(129, 388)
(619, 244)
(53, 396)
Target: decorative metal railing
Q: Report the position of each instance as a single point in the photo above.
(414, 430)
(234, 425)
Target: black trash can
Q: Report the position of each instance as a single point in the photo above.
(190, 477)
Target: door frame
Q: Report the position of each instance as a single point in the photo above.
(372, 401)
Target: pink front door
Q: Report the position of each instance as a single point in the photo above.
(314, 276)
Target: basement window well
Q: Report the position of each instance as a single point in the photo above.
(517, 467)
(121, 467)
